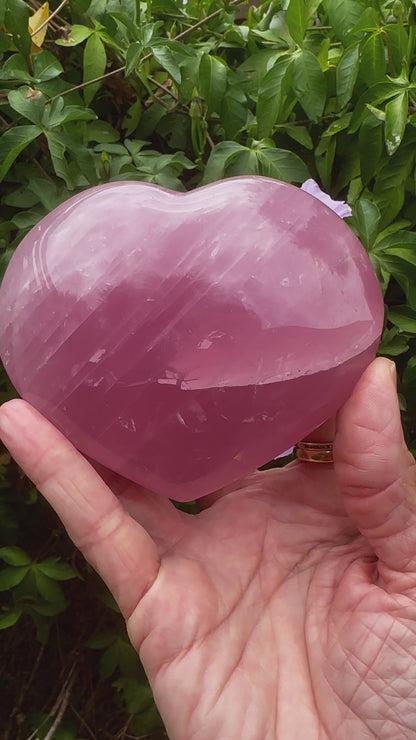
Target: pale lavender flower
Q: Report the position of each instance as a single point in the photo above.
(339, 207)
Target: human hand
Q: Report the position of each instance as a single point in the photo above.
(286, 609)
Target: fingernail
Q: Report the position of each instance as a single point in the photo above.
(393, 371)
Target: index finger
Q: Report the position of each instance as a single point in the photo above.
(117, 546)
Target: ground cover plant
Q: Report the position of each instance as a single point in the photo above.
(182, 94)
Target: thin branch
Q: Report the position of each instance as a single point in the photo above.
(58, 708)
(63, 705)
(42, 171)
(83, 722)
(206, 20)
(85, 84)
(37, 5)
(163, 88)
(147, 56)
(48, 20)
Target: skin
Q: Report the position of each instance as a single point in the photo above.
(286, 608)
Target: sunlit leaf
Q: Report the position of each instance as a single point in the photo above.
(346, 74)
(395, 122)
(38, 20)
(94, 62)
(309, 84)
(10, 617)
(12, 142)
(212, 82)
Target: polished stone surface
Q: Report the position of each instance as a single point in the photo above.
(185, 339)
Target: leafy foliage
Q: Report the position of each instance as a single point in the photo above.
(185, 93)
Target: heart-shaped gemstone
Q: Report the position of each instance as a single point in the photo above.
(183, 340)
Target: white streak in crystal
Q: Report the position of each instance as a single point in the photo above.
(205, 344)
(96, 357)
(40, 269)
(128, 424)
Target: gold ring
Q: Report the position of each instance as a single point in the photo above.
(320, 452)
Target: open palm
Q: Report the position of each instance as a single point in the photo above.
(286, 608)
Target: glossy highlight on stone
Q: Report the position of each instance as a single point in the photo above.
(185, 339)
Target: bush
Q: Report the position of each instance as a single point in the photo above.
(181, 94)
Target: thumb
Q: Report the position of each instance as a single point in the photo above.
(377, 474)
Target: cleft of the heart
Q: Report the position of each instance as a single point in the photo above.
(185, 339)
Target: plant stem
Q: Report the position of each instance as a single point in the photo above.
(146, 58)
(48, 20)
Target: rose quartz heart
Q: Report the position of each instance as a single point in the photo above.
(183, 340)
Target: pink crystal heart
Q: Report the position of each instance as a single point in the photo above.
(183, 340)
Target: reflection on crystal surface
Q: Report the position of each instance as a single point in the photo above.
(186, 339)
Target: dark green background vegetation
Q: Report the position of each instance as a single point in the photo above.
(181, 94)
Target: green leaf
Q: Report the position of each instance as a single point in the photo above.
(10, 577)
(29, 103)
(346, 74)
(167, 9)
(251, 72)
(368, 22)
(270, 96)
(57, 113)
(370, 145)
(168, 59)
(221, 156)
(395, 170)
(402, 243)
(234, 111)
(14, 555)
(101, 132)
(373, 60)
(378, 94)
(324, 159)
(12, 142)
(57, 152)
(47, 193)
(5, 42)
(404, 318)
(344, 15)
(297, 16)
(45, 66)
(76, 35)
(133, 54)
(57, 570)
(27, 219)
(398, 41)
(392, 343)
(340, 124)
(309, 84)
(51, 608)
(48, 589)
(16, 19)
(100, 641)
(395, 122)
(82, 5)
(212, 82)
(10, 617)
(281, 164)
(390, 202)
(94, 63)
(367, 217)
(15, 68)
(138, 697)
(299, 134)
